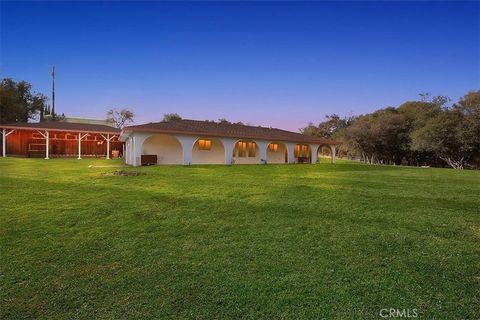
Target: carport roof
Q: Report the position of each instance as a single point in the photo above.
(230, 130)
(62, 126)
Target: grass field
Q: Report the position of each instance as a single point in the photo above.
(275, 242)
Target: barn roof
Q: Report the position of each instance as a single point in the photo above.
(232, 130)
(62, 126)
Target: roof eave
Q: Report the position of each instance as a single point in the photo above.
(55, 129)
(208, 134)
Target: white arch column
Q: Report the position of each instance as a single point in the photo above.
(262, 148)
(290, 152)
(333, 149)
(228, 144)
(314, 152)
(187, 143)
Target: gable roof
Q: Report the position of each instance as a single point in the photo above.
(62, 126)
(227, 130)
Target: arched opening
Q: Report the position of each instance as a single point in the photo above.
(302, 153)
(166, 147)
(324, 153)
(208, 151)
(277, 153)
(246, 152)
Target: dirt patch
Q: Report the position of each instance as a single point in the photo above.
(125, 173)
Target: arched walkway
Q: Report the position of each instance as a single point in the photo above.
(166, 147)
(324, 153)
(208, 151)
(277, 153)
(303, 153)
(246, 152)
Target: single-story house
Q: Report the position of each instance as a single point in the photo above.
(207, 142)
(60, 139)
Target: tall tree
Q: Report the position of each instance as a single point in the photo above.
(120, 118)
(17, 101)
(447, 137)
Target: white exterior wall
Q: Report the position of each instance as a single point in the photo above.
(128, 156)
(167, 148)
(127, 153)
(216, 155)
(248, 160)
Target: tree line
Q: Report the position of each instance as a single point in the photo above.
(427, 132)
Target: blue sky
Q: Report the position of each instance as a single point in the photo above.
(278, 64)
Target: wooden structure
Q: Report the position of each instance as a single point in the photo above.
(60, 139)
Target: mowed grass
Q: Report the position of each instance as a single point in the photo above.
(275, 242)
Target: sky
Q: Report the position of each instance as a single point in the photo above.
(279, 64)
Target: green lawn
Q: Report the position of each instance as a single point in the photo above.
(275, 242)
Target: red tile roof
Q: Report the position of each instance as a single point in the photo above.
(216, 129)
(62, 126)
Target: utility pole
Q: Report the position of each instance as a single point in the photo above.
(53, 91)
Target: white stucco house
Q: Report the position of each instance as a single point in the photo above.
(207, 142)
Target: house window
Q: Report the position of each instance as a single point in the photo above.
(252, 148)
(301, 151)
(241, 149)
(245, 149)
(204, 144)
(273, 147)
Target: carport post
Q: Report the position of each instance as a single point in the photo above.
(80, 138)
(47, 147)
(79, 146)
(108, 145)
(4, 152)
